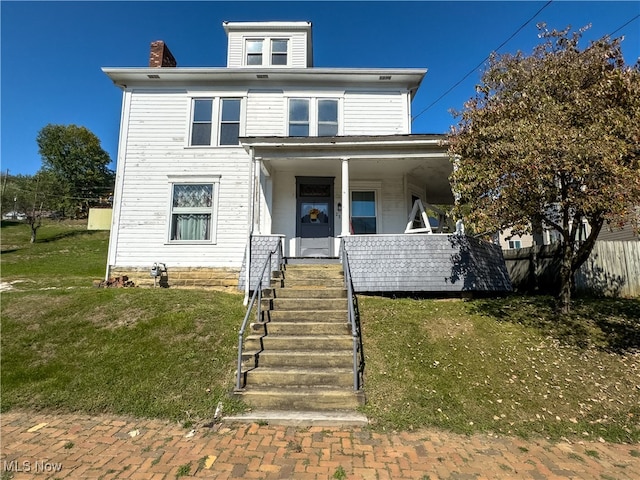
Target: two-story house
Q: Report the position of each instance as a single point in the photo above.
(217, 164)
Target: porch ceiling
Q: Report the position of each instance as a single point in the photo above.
(423, 158)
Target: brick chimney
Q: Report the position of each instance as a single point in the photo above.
(160, 56)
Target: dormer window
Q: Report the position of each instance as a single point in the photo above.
(267, 52)
(254, 52)
(279, 50)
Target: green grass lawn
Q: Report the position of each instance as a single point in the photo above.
(505, 365)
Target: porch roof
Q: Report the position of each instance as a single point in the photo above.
(420, 156)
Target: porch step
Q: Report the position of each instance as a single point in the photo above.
(302, 398)
(307, 304)
(299, 342)
(307, 316)
(306, 292)
(311, 260)
(294, 358)
(328, 418)
(300, 328)
(301, 377)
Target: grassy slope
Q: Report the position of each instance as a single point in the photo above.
(505, 365)
(68, 345)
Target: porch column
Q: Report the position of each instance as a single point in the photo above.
(346, 204)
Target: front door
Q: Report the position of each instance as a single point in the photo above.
(314, 223)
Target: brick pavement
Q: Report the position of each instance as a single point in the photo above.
(50, 446)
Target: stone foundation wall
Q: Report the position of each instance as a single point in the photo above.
(195, 277)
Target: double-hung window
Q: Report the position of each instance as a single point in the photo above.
(266, 52)
(193, 211)
(254, 52)
(311, 117)
(225, 130)
(363, 212)
(299, 117)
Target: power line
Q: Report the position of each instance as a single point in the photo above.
(482, 62)
(621, 27)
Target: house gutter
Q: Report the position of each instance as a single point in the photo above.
(247, 262)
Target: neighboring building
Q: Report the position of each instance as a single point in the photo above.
(216, 164)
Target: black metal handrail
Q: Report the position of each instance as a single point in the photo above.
(354, 322)
(257, 293)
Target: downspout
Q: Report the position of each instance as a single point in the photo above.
(247, 261)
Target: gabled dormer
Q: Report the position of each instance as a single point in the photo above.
(269, 44)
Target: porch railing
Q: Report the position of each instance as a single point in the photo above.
(256, 299)
(354, 322)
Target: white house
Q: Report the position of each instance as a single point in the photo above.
(214, 162)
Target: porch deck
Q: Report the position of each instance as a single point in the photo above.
(427, 263)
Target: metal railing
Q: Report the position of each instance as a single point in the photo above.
(354, 322)
(257, 295)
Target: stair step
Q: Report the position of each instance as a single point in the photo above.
(288, 376)
(302, 398)
(294, 358)
(312, 304)
(306, 292)
(306, 316)
(327, 418)
(299, 342)
(301, 328)
(310, 282)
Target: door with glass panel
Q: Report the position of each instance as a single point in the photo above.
(314, 212)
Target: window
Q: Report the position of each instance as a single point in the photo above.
(230, 121)
(363, 212)
(514, 244)
(226, 131)
(327, 118)
(324, 113)
(201, 128)
(192, 212)
(279, 50)
(298, 117)
(254, 52)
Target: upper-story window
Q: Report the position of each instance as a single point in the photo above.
(279, 51)
(254, 52)
(311, 117)
(267, 52)
(225, 131)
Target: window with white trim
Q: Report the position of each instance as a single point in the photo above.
(254, 51)
(266, 52)
(363, 212)
(313, 117)
(193, 212)
(224, 131)
(279, 51)
(515, 244)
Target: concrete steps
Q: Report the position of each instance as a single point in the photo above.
(300, 356)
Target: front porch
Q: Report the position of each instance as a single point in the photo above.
(401, 263)
(310, 194)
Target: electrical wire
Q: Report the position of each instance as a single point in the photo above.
(482, 62)
(502, 45)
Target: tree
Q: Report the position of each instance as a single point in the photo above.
(551, 138)
(31, 195)
(75, 157)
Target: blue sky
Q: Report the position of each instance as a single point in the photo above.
(52, 52)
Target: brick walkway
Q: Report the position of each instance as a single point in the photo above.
(85, 447)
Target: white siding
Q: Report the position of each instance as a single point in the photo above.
(375, 113)
(155, 150)
(265, 113)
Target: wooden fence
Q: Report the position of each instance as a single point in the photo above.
(612, 269)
